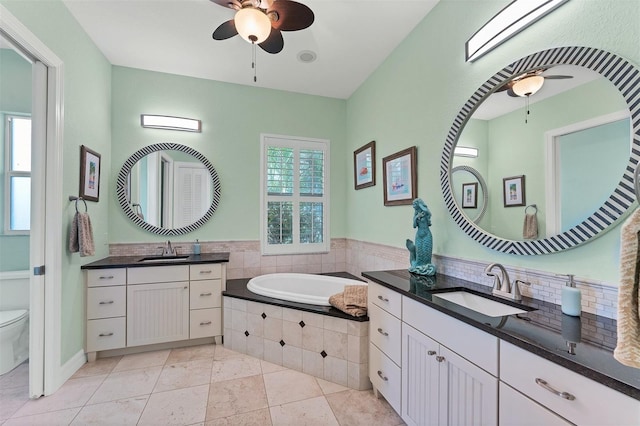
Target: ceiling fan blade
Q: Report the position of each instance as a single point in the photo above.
(232, 4)
(507, 86)
(274, 43)
(292, 16)
(511, 93)
(557, 77)
(225, 30)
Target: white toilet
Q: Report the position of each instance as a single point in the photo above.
(14, 341)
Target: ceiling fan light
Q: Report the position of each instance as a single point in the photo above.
(528, 86)
(253, 25)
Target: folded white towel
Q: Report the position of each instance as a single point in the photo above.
(81, 235)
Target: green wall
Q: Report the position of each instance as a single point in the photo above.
(15, 97)
(233, 117)
(87, 121)
(413, 97)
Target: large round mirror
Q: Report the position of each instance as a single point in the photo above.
(168, 189)
(561, 146)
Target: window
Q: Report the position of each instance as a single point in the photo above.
(295, 195)
(17, 164)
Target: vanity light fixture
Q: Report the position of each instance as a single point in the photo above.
(528, 86)
(170, 123)
(514, 18)
(465, 151)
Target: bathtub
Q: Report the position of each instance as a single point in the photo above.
(301, 288)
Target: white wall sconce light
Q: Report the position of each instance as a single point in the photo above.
(514, 18)
(465, 151)
(170, 123)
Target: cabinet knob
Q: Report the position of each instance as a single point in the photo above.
(381, 331)
(384, 299)
(382, 376)
(431, 353)
(205, 323)
(105, 334)
(564, 395)
(440, 358)
(106, 302)
(205, 294)
(185, 287)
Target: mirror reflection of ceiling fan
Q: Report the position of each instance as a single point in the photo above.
(529, 83)
(261, 22)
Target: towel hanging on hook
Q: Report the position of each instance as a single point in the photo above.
(76, 199)
(526, 210)
(530, 226)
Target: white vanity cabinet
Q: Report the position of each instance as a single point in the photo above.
(517, 409)
(106, 309)
(205, 315)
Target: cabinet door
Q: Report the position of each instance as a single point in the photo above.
(157, 313)
(419, 378)
(518, 410)
(469, 395)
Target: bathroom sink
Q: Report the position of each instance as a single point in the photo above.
(481, 304)
(160, 259)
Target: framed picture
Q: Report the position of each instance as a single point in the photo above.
(470, 195)
(400, 177)
(89, 174)
(364, 166)
(513, 191)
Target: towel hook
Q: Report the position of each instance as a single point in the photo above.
(531, 205)
(76, 199)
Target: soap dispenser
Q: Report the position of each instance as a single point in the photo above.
(196, 247)
(571, 298)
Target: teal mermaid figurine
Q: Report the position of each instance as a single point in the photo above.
(420, 252)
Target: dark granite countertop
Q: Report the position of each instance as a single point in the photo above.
(238, 288)
(545, 331)
(135, 261)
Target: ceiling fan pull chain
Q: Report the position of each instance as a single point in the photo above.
(526, 115)
(253, 61)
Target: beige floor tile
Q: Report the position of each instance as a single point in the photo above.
(17, 377)
(190, 353)
(176, 407)
(74, 393)
(98, 367)
(184, 375)
(353, 408)
(235, 367)
(54, 418)
(254, 418)
(142, 360)
(123, 412)
(288, 386)
(330, 387)
(313, 411)
(236, 396)
(223, 353)
(269, 367)
(127, 384)
(12, 400)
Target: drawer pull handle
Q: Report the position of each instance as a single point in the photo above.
(440, 358)
(106, 277)
(383, 377)
(105, 334)
(205, 294)
(564, 395)
(384, 333)
(384, 299)
(206, 323)
(431, 353)
(206, 272)
(107, 302)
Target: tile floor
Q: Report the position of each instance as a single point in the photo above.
(200, 385)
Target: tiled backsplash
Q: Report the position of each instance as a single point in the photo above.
(246, 261)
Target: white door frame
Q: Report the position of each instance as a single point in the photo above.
(45, 316)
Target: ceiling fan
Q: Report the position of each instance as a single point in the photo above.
(529, 83)
(261, 21)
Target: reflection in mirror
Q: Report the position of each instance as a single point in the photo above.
(168, 189)
(471, 193)
(572, 139)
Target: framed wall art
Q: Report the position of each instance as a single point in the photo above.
(89, 174)
(364, 166)
(400, 177)
(513, 191)
(470, 195)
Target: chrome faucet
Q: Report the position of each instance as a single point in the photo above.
(502, 285)
(168, 250)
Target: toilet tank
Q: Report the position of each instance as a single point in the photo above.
(14, 290)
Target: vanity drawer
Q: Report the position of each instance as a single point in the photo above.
(384, 332)
(205, 323)
(106, 302)
(106, 277)
(593, 403)
(158, 274)
(385, 377)
(385, 298)
(206, 271)
(103, 334)
(205, 294)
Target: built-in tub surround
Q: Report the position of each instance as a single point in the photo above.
(317, 340)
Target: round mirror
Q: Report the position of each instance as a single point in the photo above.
(168, 189)
(567, 131)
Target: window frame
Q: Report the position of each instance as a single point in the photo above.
(296, 247)
(10, 173)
